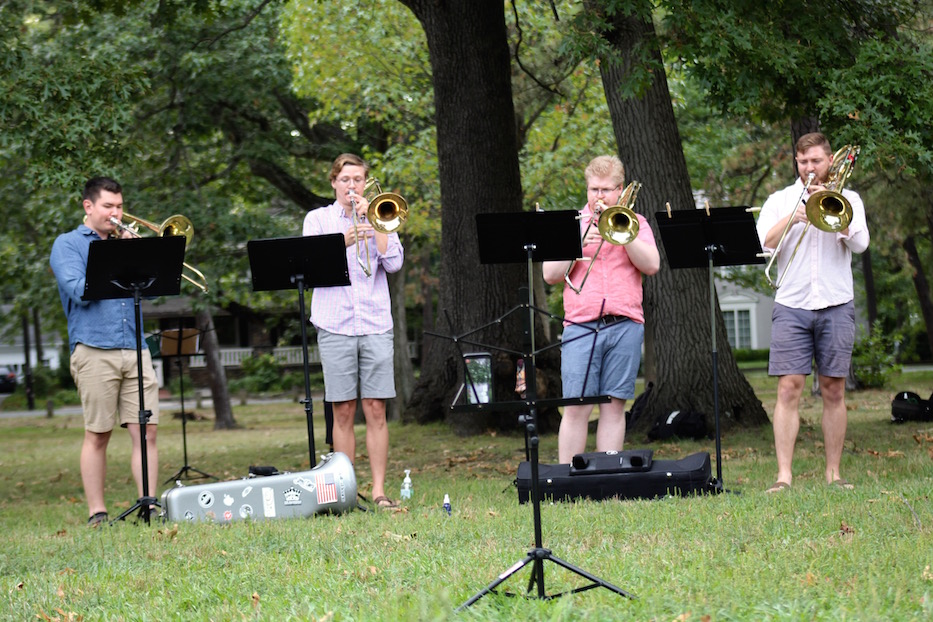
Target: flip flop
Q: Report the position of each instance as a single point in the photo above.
(384, 502)
(97, 519)
(777, 487)
(841, 483)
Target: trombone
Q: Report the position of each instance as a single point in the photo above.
(827, 210)
(173, 225)
(387, 212)
(617, 225)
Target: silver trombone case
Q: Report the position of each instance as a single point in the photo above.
(330, 487)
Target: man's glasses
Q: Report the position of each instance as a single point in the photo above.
(603, 191)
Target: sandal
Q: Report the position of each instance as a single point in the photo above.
(841, 483)
(97, 519)
(384, 502)
(777, 487)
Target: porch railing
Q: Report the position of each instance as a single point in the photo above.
(289, 356)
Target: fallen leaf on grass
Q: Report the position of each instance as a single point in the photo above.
(398, 537)
(926, 575)
(255, 599)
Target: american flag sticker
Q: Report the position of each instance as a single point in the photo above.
(326, 488)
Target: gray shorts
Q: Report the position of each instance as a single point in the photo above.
(606, 362)
(798, 336)
(362, 364)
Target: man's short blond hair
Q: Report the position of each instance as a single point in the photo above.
(606, 166)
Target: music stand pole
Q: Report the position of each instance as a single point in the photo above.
(722, 236)
(300, 283)
(300, 262)
(144, 503)
(184, 416)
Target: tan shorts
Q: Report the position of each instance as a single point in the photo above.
(108, 384)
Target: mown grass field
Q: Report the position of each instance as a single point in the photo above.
(810, 553)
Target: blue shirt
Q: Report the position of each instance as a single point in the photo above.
(105, 324)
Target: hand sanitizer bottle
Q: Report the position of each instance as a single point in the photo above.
(406, 486)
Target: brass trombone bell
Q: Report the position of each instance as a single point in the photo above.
(618, 225)
(829, 211)
(387, 212)
(175, 224)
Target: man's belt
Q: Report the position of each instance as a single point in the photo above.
(612, 319)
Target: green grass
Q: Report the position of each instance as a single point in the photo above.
(809, 553)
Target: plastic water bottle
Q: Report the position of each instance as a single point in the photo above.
(406, 486)
(447, 503)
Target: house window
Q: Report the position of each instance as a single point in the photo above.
(738, 328)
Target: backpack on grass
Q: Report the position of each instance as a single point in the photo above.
(907, 406)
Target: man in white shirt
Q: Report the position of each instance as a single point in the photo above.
(354, 323)
(814, 312)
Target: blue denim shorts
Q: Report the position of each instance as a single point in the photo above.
(363, 363)
(799, 335)
(607, 361)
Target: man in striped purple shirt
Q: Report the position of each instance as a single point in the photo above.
(354, 323)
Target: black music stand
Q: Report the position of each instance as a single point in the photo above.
(720, 236)
(527, 237)
(128, 268)
(300, 262)
(178, 343)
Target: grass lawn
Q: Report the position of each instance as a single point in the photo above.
(811, 552)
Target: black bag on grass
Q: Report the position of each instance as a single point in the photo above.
(679, 423)
(907, 406)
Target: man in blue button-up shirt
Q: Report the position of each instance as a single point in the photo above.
(102, 338)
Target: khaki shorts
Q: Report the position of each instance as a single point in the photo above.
(108, 384)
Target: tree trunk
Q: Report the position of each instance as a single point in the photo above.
(799, 127)
(37, 331)
(677, 302)
(404, 371)
(921, 285)
(479, 173)
(871, 295)
(27, 366)
(223, 412)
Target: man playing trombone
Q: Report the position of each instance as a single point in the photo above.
(814, 312)
(603, 292)
(102, 340)
(354, 323)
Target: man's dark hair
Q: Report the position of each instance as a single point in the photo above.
(94, 185)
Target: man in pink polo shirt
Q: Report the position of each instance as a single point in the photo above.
(610, 302)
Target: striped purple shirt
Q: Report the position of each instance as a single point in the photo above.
(363, 307)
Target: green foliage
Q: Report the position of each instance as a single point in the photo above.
(261, 373)
(874, 357)
(747, 354)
